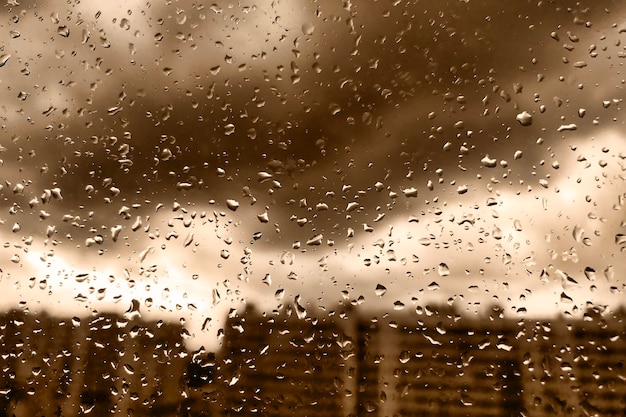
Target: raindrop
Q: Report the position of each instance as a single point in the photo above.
(315, 240)
(489, 162)
(133, 310)
(63, 31)
(232, 204)
(380, 290)
(577, 233)
(267, 280)
(125, 24)
(524, 118)
(571, 126)
(308, 28)
(229, 129)
(590, 273)
(115, 232)
(3, 59)
(81, 277)
(300, 310)
(263, 217)
(398, 305)
(443, 270)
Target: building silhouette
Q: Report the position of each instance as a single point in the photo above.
(100, 366)
(438, 364)
(291, 363)
(282, 365)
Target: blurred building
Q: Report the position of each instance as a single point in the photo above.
(438, 364)
(101, 366)
(282, 365)
(575, 367)
(288, 362)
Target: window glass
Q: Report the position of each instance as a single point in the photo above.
(312, 208)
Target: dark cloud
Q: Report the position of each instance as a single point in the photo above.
(319, 118)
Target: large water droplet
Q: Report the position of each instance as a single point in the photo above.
(232, 204)
(524, 118)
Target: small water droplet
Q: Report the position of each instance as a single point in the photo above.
(571, 126)
(380, 290)
(229, 129)
(133, 310)
(308, 28)
(590, 273)
(3, 59)
(81, 277)
(315, 240)
(63, 31)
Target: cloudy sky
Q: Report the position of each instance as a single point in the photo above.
(194, 158)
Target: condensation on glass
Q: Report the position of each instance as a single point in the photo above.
(391, 208)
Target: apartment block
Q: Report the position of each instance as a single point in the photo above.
(101, 366)
(432, 361)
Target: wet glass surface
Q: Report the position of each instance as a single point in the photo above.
(390, 208)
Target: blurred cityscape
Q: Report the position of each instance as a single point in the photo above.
(346, 363)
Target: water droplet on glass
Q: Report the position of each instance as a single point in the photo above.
(81, 277)
(380, 290)
(489, 162)
(308, 28)
(229, 129)
(571, 126)
(133, 310)
(524, 118)
(590, 273)
(63, 31)
(263, 217)
(315, 240)
(443, 270)
(577, 233)
(232, 204)
(4, 58)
